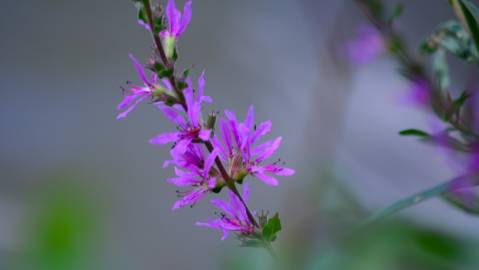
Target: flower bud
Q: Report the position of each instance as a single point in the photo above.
(210, 122)
(169, 43)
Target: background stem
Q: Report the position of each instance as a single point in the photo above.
(417, 198)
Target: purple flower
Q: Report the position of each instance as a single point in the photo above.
(233, 217)
(193, 170)
(367, 45)
(418, 94)
(177, 22)
(137, 93)
(473, 164)
(237, 147)
(188, 121)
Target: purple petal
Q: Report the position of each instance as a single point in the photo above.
(221, 148)
(270, 150)
(214, 224)
(167, 84)
(225, 132)
(259, 149)
(261, 130)
(191, 198)
(234, 127)
(212, 183)
(230, 115)
(201, 84)
(249, 121)
(204, 134)
(269, 180)
(181, 182)
(193, 109)
(140, 70)
(182, 145)
(210, 160)
(206, 99)
(278, 170)
(172, 15)
(144, 25)
(238, 208)
(246, 192)
(127, 100)
(367, 46)
(165, 138)
(223, 206)
(186, 18)
(184, 174)
(127, 111)
(172, 114)
(286, 172)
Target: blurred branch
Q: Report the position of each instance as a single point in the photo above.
(435, 191)
(410, 66)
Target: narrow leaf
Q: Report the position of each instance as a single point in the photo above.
(471, 16)
(414, 132)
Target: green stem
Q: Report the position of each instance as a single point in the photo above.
(417, 198)
(269, 247)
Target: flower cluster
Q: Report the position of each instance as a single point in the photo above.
(205, 160)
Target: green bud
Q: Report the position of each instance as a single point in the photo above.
(169, 46)
(210, 123)
(240, 175)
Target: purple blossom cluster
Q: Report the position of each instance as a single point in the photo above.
(205, 160)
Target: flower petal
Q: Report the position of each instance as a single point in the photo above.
(165, 138)
(261, 130)
(181, 182)
(225, 132)
(140, 70)
(269, 180)
(127, 111)
(204, 134)
(210, 161)
(249, 120)
(186, 18)
(278, 170)
(172, 114)
(191, 198)
(270, 150)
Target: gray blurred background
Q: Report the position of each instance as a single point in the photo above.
(61, 67)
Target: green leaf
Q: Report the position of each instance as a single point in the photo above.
(414, 132)
(427, 47)
(375, 7)
(441, 69)
(471, 15)
(271, 228)
(461, 99)
(162, 71)
(186, 73)
(456, 105)
(452, 37)
(397, 11)
(182, 85)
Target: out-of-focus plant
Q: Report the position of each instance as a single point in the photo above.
(62, 234)
(207, 159)
(431, 89)
(398, 245)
